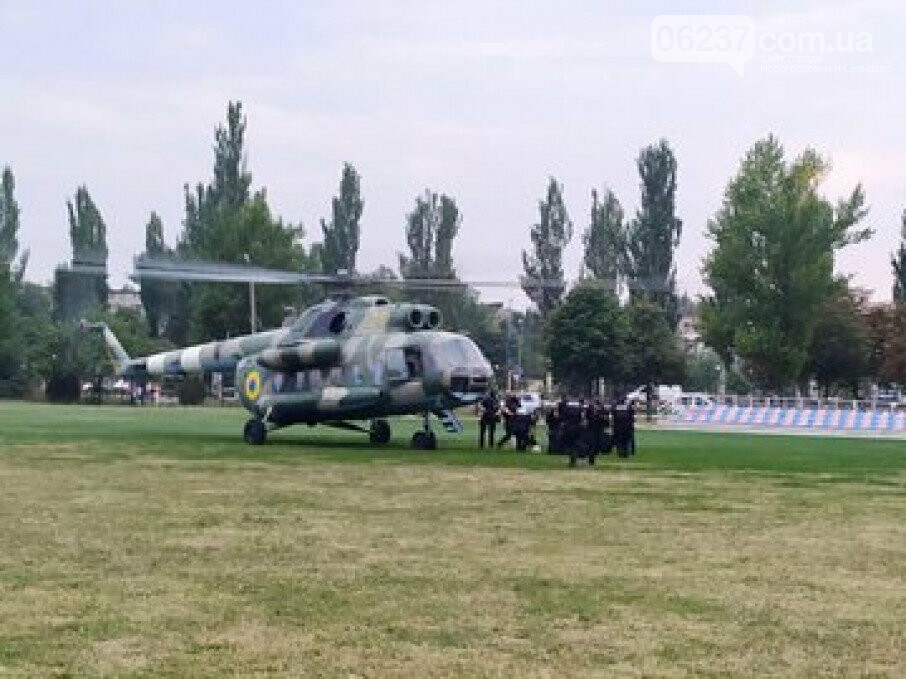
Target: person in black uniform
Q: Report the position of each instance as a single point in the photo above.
(624, 428)
(630, 428)
(597, 426)
(510, 409)
(617, 417)
(608, 436)
(552, 420)
(523, 430)
(571, 430)
(490, 415)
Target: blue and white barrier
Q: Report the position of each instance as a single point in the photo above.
(768, 417)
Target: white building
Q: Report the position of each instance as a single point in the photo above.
(124, 298)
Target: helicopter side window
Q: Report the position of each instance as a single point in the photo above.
(315, 379)
(355, 374)
(338, 323)
(395, 368)
(335, 379)
(302, 381)
(284, 383)
(413, 358)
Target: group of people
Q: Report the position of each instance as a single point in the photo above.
(574, 427)
(581, 429)
(518, 425)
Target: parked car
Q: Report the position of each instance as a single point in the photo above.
(530, 403)
(664, 393)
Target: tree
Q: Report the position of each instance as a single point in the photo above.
(431, 228)
(10, 344)
(341, 235)
(899, 267)
(702, 372)
(655, 232)
(771, 268)
(205, 205)
(9, 220)
(839, 354)
(217, 309)
(228, 190)
(157, 296)
(886, 328)
(894, 367)
(225, 222)
(87, 230)
(605, 241)
(586, 339)
(67, 356)
(34, 325)
(549, 237)
(655, 354)
(134, 332)
(77, 291)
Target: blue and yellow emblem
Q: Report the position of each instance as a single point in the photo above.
(252, 385)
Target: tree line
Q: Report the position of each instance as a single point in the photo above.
(777, 315)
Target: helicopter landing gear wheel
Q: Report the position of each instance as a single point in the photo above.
(379, 434)
(255, 432)
(424, 440)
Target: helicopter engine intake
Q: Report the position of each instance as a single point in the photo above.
(421, 317)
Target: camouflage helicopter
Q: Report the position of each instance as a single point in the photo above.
(338, 362)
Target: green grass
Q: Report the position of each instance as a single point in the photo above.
(150, 542)
(215, 433)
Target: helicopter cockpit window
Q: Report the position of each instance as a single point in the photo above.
(338, 323)
(460, 353)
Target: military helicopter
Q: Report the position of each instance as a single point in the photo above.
(347, 359)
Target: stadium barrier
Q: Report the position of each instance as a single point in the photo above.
(852, 417)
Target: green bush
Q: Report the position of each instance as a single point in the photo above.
(63, 388)
(192, 391)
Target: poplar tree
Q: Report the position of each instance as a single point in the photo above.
(655, 232)
(605, 241)
(341, 234)
(898, 262)
(550, 236)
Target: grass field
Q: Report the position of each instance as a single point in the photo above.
(148, 542)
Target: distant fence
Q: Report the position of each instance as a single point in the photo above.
(843, 416)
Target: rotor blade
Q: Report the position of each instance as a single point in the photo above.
(215, 272)
(88, 269)
(187, 270)
(220, 272)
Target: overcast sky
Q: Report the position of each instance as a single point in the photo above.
(477, 99)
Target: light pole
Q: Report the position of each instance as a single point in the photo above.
(253, 319)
